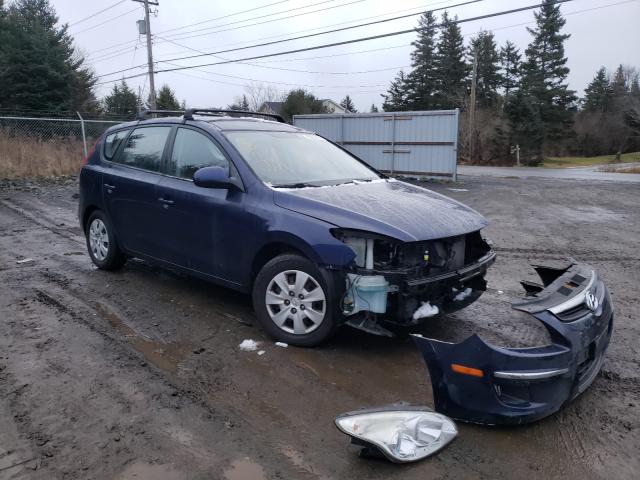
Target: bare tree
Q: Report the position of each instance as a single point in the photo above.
(257, 93)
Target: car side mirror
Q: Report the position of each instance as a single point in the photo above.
(213, 177)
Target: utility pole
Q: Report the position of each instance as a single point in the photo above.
(147, 22)
(472, 105)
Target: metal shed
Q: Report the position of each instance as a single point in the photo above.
(406, 143)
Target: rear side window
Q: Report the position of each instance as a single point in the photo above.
(192, 151)
(144, 147)
(112, 142)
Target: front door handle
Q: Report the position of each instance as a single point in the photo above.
(110, 187)
(166, 201)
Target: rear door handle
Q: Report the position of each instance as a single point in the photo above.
(166, 201)
(110, 187)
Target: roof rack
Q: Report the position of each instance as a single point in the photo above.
(144, 113)
(189, 112)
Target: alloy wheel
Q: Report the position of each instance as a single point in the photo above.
(99, 239)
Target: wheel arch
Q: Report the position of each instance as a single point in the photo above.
(270, 251)
(89, 209)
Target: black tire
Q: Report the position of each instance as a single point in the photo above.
(320, 277)
(114, 259)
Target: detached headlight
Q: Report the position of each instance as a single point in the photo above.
(404, 434)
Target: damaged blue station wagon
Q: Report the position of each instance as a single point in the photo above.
(319, 239)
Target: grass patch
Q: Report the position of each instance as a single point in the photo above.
(565, 162)
(25, 156)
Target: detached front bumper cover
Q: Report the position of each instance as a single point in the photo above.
(478, 382)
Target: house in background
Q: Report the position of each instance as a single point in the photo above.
(333, 107)
(275, 108)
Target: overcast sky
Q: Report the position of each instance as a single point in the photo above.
(603, 32)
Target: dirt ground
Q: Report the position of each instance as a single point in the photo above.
(138, 374)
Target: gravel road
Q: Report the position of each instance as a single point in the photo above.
(138, 374)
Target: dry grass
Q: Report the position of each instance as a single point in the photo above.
(622, 169)
(564, 162)
(24, 156)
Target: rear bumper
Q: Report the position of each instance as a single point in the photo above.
(519, 385)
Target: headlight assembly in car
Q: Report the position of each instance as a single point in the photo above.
(403, 434)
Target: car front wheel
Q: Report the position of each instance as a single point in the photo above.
(294, 301)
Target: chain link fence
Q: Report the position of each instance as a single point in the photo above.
(44, 146)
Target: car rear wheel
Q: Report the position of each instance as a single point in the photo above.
(101, 243)
(294, 301)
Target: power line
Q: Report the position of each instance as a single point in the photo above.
(223, 16)
(291, 69)
(185, 35)
(106, 21)
(285, 83)
(130, 42)
(420, 8)
(97, 13)
(255, 18)
(298, 37)
(127, 49)
(242, 85)
(348, 42)
(338, 29)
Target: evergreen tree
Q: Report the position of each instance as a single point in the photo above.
(451, 68)
(299, 102)
(510, 66)
(165, 100)
(373, 109)
(488, 77)
(526, 128)
(396, 99)
(39, 67)
(635, 88)
(348, 105)
(619, 87)
(598, 93)
(545, 73)
(121, 101)
(417, 91)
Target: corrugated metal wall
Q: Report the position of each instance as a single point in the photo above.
(410, 143)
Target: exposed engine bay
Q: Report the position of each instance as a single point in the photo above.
(405, 283)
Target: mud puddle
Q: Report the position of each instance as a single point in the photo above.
(166, 356)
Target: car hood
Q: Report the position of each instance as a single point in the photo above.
(389, 207)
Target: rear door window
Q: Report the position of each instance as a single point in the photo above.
(144, 147)
(192, 151)
(112, 142)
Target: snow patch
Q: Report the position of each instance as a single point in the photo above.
(425, 311)
(462, 295)
(346, 184)
(458, 189)
(282, 344)
(261, 352)
(248, 345)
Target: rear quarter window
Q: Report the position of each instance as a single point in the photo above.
(143, 148)
(113, 141)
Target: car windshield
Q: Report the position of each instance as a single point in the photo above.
(291, 159)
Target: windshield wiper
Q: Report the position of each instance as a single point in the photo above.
(294, 185)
